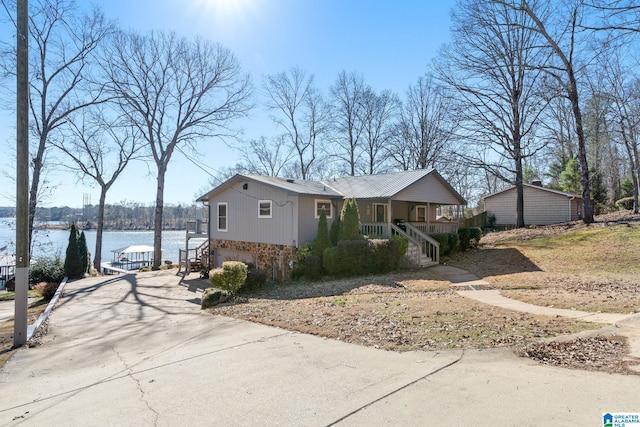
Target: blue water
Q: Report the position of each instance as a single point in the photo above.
(54, 242)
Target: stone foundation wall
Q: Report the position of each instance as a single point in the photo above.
(275, 259)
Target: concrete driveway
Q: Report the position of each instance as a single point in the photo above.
(135, 350)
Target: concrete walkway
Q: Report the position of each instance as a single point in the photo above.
(7, 309)
(471, 286)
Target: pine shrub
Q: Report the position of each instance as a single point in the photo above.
(350, 221)
(73, 266)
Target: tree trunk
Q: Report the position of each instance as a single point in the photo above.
(35, 183)
(157, 222)
(519, 190)
(582, 149)
(97, 260)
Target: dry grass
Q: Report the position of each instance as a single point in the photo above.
(6, 330)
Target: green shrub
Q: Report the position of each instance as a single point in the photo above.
(475, 234)
(465, 238)
(352, 257)
(383, 256)
(46, 270)
(322, 240)
(213, 296)
(73, 265)
(83, 252)
(626, 203)
(46, 289)
(401, 245)
(329, 257)
(307, 265)
(10, 285)
(350, 221)
(443, 240)
(453, 242)
(255, 278)
(334, 232)
(230, 277)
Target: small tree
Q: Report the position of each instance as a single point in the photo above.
(334, 232)
(322, 240)
(350, 220)
(73, 267)
(83, 251)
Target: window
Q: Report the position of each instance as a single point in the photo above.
(222, 217)
(421, 213)
(379, 212)
(326, 205)
(264, 209)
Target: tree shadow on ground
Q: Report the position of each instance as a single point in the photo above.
(493, 262)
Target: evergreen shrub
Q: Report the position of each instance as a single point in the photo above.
(255, 278)
(230, 277)
(46, 270)
(308, 265)
(443, 240)
(213, 296)
(453, 242)
(475, 234)
(464, 236)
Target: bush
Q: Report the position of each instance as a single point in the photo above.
(322, 240)
(47, 289)
(308, 265)
(46, 270)
(334, 231)
(213, 296)
(464, 235)
(230, 277)
(74, 267)
(350, 221)
(352, 257)
(329, 257)
(255, 278)
(10, 285)
(401, 246)
(453, 242)
(475, 234)
(443, 240)
(626, 203)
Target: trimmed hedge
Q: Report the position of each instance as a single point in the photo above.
(230, 277)
(469, 237)
(360, 257)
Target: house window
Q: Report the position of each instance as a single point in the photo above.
(421, 213)
(379, 212)
(326, 205)
(264, 209)
(222, 216)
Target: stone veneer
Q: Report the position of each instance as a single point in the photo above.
(265, 255)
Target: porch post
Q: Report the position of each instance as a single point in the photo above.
(389, 217)
(428, 216)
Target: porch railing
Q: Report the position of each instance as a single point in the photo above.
(197, 227)
(436, 227)
(375, 229)
(429, 247)
(196, 258)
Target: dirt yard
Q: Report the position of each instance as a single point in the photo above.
(567, 266)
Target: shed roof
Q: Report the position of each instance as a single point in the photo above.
(536, 187)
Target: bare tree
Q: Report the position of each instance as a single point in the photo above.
(560, 24)
(347, 127)
(265, 157)
(175, 92)
(63, 41)
(499, 94)
(99, 150)
(301, 113)
(425, 127)
(378, 115)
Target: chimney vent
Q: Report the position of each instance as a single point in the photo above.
(537, 183)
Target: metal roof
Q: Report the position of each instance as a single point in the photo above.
(537, 187)
(361, 187)
(376, 186)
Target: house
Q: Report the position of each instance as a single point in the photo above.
(542, 206)
(264, 220)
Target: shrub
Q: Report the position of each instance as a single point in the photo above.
(308, 265)
(73, 266)
(443, 240)
(453, 242)
(329, 257)
(382, 256)
(230, 277)
(47, 270)
(465, 238)
(352, 257)
(334, 232)
(83, 252)
(46, 289)
(213, 296)
(255, 278)
(626, 203)
(10, 285)
(475, 234)
(322, 240)
(350, 221)
(400, 248)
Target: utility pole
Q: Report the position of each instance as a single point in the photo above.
(22, 178)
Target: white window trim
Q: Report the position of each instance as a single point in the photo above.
(328, 214)
(418, 207)
(226, 205)
(260, 202)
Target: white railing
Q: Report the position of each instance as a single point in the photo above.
(375, 229)
(198, 255)
(430, 246)
(197, 227)
(436, 227)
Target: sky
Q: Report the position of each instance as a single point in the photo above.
(389, 42)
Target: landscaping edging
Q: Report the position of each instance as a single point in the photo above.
(31, 329)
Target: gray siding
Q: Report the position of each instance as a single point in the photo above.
(243, 223)
(541, 207)
(428, 189)
(308, 223)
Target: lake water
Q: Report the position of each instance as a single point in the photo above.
(51, 242)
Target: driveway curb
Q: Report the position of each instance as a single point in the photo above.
(31, 329)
